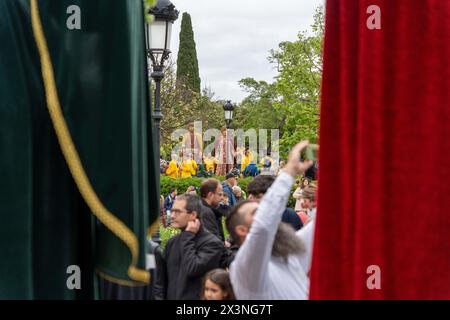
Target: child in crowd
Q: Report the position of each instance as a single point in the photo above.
(217, 286)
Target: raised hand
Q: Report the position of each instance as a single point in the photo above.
(193, 226)
(294, 166)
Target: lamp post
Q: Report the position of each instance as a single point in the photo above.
(158, 34)
(228, 108)
(157, 38)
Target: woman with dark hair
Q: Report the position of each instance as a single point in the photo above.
(298, 193)
(217, 286)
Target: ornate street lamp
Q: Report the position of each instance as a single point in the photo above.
(228, 108)
(158, 34)
(157, 38)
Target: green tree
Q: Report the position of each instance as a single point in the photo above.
(187, 63)
(258, 110)
(291, 102)
(298, 82)
(181, 106)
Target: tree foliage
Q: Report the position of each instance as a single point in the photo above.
(187, 63)
(291, 102)
(181, 106)
(257, 110)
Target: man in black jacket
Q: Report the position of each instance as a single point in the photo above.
(189, 255)
(211, 192)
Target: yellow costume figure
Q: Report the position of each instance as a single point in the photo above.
(194, 166)
(188, 168)
(172, 171)
(246, 161)
(210, 162)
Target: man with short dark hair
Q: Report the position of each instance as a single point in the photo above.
(256, 190)
(188, 255)
(211, 193)
(273, 261)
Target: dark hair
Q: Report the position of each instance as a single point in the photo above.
(303, 182)
(221, 278)
(236, 218)
(260, 185)
(207, 186)
(193, 203)
(172, 190)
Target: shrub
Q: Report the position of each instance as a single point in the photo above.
(167, 233)
(182, 184)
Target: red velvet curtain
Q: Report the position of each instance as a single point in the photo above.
(384, 180)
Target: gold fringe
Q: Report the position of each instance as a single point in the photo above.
(154, 227)
(116, 226)
(119, 281)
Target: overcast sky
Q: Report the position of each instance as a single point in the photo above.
(233, 38)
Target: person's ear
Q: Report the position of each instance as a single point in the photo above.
(241, 230)
(194, 215)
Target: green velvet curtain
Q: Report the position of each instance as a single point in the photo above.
(101, 76)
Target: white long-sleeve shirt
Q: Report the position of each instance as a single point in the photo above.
(257, 275)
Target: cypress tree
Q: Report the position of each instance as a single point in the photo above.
(187, 63)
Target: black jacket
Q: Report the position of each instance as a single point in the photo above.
(209, 219)
(228, 256)
(212, 219)
(188, 258)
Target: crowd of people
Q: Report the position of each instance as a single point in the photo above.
(185, 166)
(268, 251)
(192, 162)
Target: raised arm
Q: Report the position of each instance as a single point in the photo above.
(250, 267)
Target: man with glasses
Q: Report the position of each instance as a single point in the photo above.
(188, 255)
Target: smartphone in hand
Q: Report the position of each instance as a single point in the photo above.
(311, 152)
